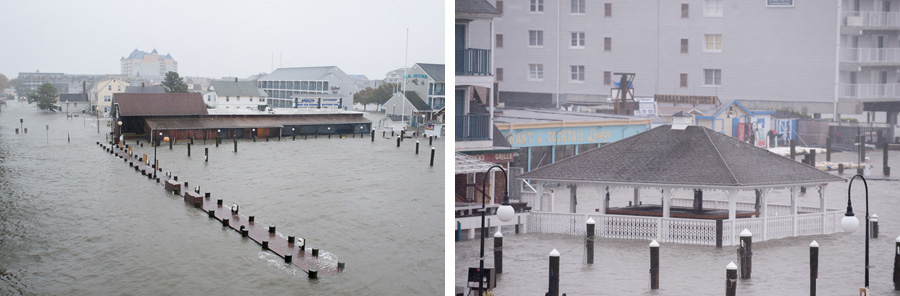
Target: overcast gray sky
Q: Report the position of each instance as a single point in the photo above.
(220, 38)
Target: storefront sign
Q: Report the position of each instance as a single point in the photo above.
(496, 157)
(780, 3)
(571, 135)
(332, 103)
(680, 99)
(306, 103)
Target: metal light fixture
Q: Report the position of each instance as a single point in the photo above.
(504, 213)
(850, 223)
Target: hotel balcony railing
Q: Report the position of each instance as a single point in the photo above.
(870, 55)
(472, 127)
(872, 19)
(473, 61)
(870, 91)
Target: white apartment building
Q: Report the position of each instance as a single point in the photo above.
(234, 95)
(810, 56)
(283, 83)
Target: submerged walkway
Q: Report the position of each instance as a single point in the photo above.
(292, 249)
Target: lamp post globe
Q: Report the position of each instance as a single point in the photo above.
(849, 223)
(119, 123)
(505, 213)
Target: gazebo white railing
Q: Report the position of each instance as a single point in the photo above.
(684, 231)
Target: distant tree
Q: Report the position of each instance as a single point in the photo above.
(174, 84)
(19, 86)
(377, 96)
(45, 97)
(4, 82)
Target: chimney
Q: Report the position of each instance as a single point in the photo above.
(235, 79)
(142, 84)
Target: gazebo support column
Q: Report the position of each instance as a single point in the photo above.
(539, 200)
(603, 191)
(573, 197)
(822, 205)
(732, 212)
(666, 201)
(637, 196)
(764, 212)
(794, 209)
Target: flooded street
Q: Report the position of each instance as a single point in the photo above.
(780, 266)
(75, 220)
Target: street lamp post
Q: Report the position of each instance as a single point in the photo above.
(849, 223)
(504, 213)
(155, 143)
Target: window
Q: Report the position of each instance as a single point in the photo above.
(537, 5)
(713, 43)
(499, 74)
(119, 87)
(577, 40)
(535, 38)
(712, 8)
(251, 99)
(578, 6)
(684, 46)
(685, 10)
(607, 43)
(105, 109)
(535, 71)
(238, 99)
(107, 98)
(499, 42)
(607, 78)
(607, 10)
(712, 77)
(228, 98)
(109, 87)
(577, 73)
(684, 80)
(500, 6)
(209, 98)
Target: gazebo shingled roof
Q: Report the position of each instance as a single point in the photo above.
(696, 157)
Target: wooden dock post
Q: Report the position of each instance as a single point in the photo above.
(862, 154)
(793, 150)
(189, 147)
(828, 149)
(886, 170)
(313, 273)
(432, 156)
(745, 254)
(730, 279)
(417, 147)
(430, 140)
(719, 233)
(498, 252)
(654, 265)
(553, 290)
(206, 154)
(874, 229)
(235, 145)
(897, 264)
(813, 267)
(398, 141)
(589, 240)
(373, 135)
(171, 143)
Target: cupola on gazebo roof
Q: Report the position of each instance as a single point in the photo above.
(695, 157)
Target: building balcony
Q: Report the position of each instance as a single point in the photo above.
(870, 92)
(872, 20)
(871, 56)
(473, 62)
(473, 127)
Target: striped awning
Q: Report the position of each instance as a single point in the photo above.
(466, 164)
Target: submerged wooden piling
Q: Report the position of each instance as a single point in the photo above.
(813, 267)
(654, 265)
(589, 240)
(432, 156)
(874, 229)
(745, 254)
(730, 279)
(498, 252)
(553, 290)
(897, 264)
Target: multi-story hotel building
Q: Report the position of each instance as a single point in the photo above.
(144, 65)
(809, 56)
(284, 83)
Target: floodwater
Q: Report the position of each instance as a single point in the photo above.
(780, 267)
(76, 221)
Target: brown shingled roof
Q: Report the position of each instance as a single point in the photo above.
(168, 104)
(695, 157)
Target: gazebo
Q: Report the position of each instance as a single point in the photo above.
(694, 158)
